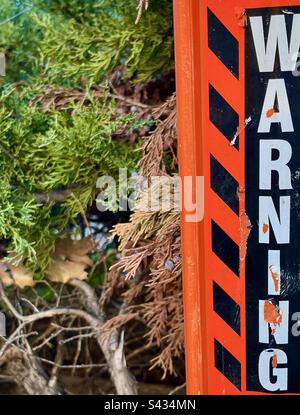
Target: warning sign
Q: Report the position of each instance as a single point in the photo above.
(238, 74)
(272, 155)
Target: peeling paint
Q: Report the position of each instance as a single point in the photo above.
(274, 361)
(245, 227)
(272, 315)
(275, 278)
(287, 12)
(239, 130)
(241, 16)
(265, 228)
(270, 113)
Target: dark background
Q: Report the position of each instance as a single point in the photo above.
(257, 255)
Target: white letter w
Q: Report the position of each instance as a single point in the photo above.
(266, 53)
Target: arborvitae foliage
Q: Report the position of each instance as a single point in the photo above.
(61, 42)
(53, 151)
(66, 44)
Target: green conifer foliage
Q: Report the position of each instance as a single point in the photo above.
(60, 42)
(43, 152)
(66, 44)
(110, 38)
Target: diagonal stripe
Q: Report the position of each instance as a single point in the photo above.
(226, 279)
(223, 44)
(226, 308)
(231, 160)
(224, 185)
(225, 248)
(227, 364)
(223, 116)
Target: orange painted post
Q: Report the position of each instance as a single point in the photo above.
(238, 89)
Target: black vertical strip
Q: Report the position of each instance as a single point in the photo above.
(227, 364)
(226, 308)
(257, 267)
(225, 248)
(223, 44)
(224, 185)
(223, 116)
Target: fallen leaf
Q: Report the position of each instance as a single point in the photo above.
(16, 275)
(76, 251)
(65, 271)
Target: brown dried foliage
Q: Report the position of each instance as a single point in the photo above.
(151, 257)
(163, 139)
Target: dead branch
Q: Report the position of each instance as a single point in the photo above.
(26, 373)
(113, 350)
(112, 346)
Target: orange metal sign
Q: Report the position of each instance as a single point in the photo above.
(236, 63)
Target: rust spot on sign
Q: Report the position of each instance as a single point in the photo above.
(241, 16)
(270, 112)
(274, 361)
(265, 228)
(245, 227)
(272, 314)
(240, 129)
(275, 278)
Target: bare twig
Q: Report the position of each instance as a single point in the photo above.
(138, 351)
(72, 328)
(47, 340)
(78, 337)
(143, 4)
(25, 300)
(53, 381)
(177, 389)
(94, 365)
(94, 316)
